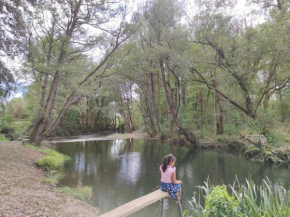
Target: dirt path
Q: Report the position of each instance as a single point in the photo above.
(22, 192)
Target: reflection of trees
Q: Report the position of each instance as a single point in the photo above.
(128, 145)
(130, 167)
(189, 157)
(222, 173)
(115, 147)
(184, 164)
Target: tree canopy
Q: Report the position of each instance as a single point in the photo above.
(168, 69)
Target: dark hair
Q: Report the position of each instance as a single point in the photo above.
(167, 160)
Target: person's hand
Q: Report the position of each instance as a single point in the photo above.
(180, 181)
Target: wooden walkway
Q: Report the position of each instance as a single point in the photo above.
(137, 204)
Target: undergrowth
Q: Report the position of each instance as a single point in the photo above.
(83, 193)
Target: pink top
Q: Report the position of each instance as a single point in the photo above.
(166, 176)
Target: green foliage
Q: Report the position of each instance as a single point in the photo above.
(224, 138)
(266, 200)
(32, 147)
(275, 139)
(11, 129)
(3, 138)
(231, 129)
(220, 204)
(52, 178)
(17, 108)
(53, 160)
(69, 124)
(83, 193)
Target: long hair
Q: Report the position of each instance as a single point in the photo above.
(166, 161)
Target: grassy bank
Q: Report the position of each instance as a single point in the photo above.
(52, 163)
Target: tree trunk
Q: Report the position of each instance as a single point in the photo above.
(153, 101)
(201, 112)
(42, 121)
(219, 117)
(151, 119)
(171, 132)
(190, 137)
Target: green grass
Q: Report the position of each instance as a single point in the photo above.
(32, 147)
(83, 193)
(52, 160)
(3, 138)
(52, 178)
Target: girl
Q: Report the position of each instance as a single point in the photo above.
(168, 176)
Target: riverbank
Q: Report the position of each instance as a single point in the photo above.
(22, 192)
(100, 137)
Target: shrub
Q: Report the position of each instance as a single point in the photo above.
(219, 203)
(275, 140)
(83, 193)
(266, 200)
(53, 160)
(230, 129)
(3, 138)
(52, 178)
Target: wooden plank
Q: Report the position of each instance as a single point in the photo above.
(135, 205)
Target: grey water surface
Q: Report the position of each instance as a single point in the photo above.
(122, 170)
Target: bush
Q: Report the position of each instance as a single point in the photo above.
(230, 129)
(219, 203)
(266, 200)
(83, 193)
(3, 138)
(52, 178)
(53, 160)
(275, 140)
(11, 129)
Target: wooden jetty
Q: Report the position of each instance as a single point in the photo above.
(139, 203)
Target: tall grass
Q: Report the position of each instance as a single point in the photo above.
(52, 160)
(84, 193)
(265, 200)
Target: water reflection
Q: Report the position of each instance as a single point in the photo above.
(115, 149)
(122, 170)
(130, 169)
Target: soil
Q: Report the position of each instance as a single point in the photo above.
(22, 192)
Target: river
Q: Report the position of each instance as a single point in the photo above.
(122, 170)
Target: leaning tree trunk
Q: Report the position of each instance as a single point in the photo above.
(42, 121)
(189, 136)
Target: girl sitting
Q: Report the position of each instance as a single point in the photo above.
(168, 176)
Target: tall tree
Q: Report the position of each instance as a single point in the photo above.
(12, 40)
(69, 29)
(249, 59)
(166, 39)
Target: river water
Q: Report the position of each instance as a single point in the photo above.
(122, 170)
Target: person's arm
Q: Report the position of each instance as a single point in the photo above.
(173, 179)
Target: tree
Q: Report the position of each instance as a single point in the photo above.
(12, 40)
(165, 40)
(7, 82)
(252, 60)
(17, 108)
(63, 41)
